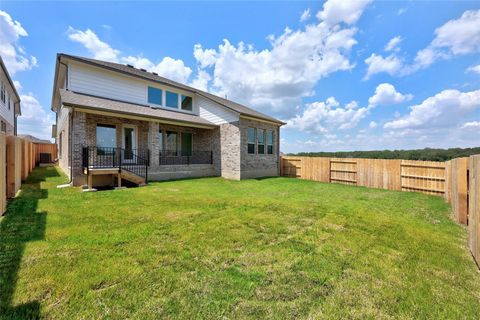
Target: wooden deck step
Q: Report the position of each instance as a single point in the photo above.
(127, 175)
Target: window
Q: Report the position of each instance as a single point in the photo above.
(9, 103)
(172, 100)
(251, 140)
(261, 141)
(186, 144)
(106, 138)
(187, 103)
(160, 138)
(3, 95)
(171, 142)
(60, 144)
(270, 142)
(155, 96)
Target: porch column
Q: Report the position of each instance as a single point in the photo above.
(79, 133)
(154, 143)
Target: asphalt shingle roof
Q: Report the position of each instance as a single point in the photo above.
(243, 110)
(70, 98)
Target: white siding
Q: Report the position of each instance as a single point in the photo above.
(85, 79)
(8, 115)
(214, 112)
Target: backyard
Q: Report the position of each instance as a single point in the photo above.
(213, 248)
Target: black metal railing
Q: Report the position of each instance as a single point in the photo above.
(133, 160)
(173, 157)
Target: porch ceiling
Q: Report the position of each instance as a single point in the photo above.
(116, 108)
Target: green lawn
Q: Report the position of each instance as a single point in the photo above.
(211, 248)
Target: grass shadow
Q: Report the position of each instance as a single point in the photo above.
(21, 224)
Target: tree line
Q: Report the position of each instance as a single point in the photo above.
(427, 154)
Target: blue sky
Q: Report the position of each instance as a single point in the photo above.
(344, 75)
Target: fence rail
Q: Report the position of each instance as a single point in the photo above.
(457, 180)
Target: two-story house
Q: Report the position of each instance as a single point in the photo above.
(116, 122)
(9, 102)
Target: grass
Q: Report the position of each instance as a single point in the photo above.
(211, 248)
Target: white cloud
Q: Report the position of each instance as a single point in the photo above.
(35, 120)
(386, 94)
(454, 38)
(377, 64)
(276, 79)
(321, 117)
(201, 80)
(392, 45)
(445, 109)
(347, 11)
(305, 15)
(474, 69)
(99, 49)
(372, 125)
(168, 67)
(12, 53)
(471, 125)
(401, 11)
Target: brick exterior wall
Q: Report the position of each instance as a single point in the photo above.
(259, 165)
(228, 144)
(63, 139)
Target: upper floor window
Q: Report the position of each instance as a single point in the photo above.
(3, 94)
(187, 103)
(261, 141)
(3, 127)
(155, 95)
(9, 104)
(171, 100)
(251, 133)
(270, 142)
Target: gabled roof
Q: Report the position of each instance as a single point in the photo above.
(131, 71)
(11, 84)
(94, 103)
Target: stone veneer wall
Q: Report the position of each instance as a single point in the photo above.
(259, 165)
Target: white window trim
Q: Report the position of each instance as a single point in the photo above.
(164, 99)
(135, 138)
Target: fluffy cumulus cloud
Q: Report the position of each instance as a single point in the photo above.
(377, 64)
(386, 94)
(454, 38)
(346, 11)
(168, 67)
(12, 53)
(276, 79)
(35, 120)
(325, 116)
(445, 109)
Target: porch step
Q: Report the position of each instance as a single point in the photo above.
(132, 177)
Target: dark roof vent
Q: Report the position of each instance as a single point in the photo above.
(143, 70)
(129, 65)
(155, 73)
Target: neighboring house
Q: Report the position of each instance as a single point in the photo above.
(9, 103)
(115, 121)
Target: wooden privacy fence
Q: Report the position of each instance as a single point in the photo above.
(18, 157)
(457, 180)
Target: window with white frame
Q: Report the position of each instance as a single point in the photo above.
(155, 96)
(171, 99)
(251, 133)
(261, 141)
(269, 142)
